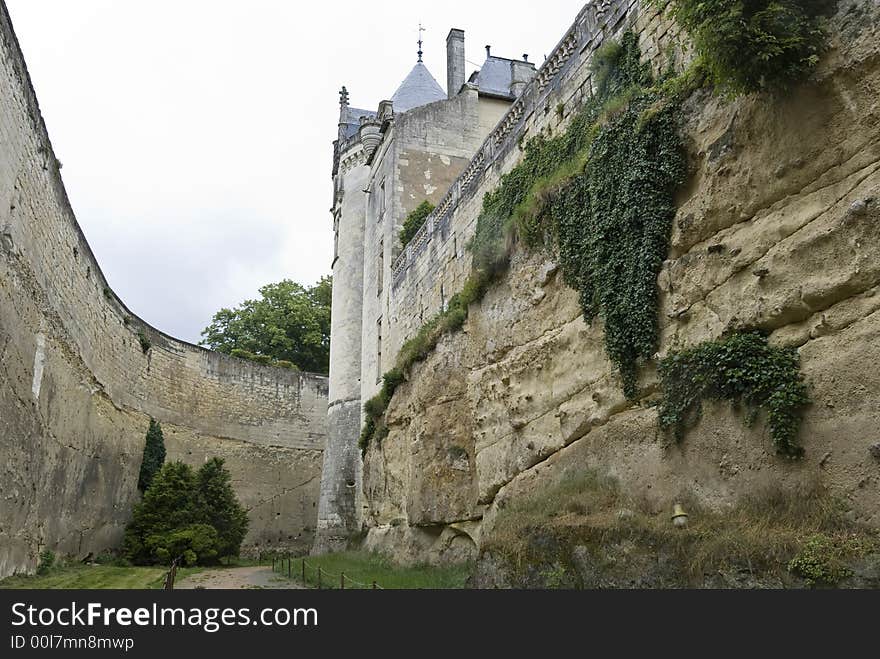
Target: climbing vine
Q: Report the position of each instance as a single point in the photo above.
(612, 218)
(742, 368)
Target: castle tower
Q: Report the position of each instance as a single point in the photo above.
(385, 164)
(338, 505)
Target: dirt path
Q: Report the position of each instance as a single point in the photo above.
(237, 577)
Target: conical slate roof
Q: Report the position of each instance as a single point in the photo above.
(418, 88)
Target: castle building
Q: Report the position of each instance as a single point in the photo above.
(386, 162)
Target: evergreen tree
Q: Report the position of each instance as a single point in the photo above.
(221, 507)
(154, 455)
(170, 504)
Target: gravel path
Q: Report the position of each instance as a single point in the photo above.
(237, 577)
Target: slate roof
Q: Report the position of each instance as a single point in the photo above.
(495, 77)
(417, 89)
(352, 120)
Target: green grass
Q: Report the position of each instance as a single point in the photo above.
(95, 577)
(366, 567)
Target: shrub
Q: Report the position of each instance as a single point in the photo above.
(188, 514)
(154, 455)
(169, 504)
(819, 560)
(754, 45)
(265, 360)
(47, 560)
(414, 222)
(195, 543)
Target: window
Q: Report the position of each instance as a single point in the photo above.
(335, 238)
(454, 246)
(380, 268)
(379, 350)
(382, 200)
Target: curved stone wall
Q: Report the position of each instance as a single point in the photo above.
(77, 386)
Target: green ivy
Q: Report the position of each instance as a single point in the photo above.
(414, 221)
(742, 368)
(755, 45)
(613, 226)
(612, 219)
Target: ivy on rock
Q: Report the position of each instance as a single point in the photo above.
(743, 368)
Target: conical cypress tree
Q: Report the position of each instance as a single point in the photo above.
(154, 455)
(221, 507)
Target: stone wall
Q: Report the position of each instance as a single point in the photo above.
(778, 229)
(77, 386)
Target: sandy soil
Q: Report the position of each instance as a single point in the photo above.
(237, 577)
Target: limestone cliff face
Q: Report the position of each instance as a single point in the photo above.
(778, 228)
(80, 377)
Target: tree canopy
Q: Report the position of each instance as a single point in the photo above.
(288, 325)
(154, 455)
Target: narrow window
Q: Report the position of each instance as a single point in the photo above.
(454, 246)
(336, 238)
(382, 200)
(380, 268)
(442, 299)
(379, 350)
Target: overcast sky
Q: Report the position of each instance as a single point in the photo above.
(196, 135)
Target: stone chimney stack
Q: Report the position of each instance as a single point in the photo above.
(520, 74)
(454, 62)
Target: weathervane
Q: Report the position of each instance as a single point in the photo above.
(421, 29)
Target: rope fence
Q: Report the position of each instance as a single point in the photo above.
(323, 578)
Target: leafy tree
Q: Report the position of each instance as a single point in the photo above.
(288, 323)
(154, 455)
(414, 221)
(221, 508)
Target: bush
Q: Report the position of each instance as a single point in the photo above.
(754, 45)
(196, 543)
(819, 560)
(186, 514)
(414, 222)
(154, 455)
(47, 560)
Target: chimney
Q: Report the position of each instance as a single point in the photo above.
(454, 62)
